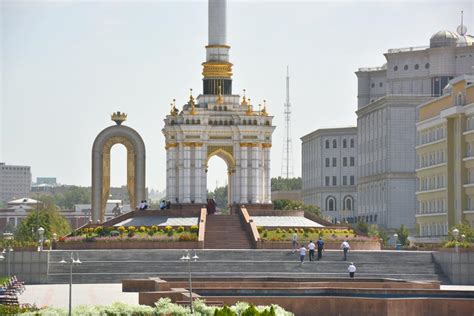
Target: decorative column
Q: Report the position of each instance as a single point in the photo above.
(199, 173)
(243, 174)
(180, 186)
(187, 174)
(255, 174)
(267, 187)
(171, 176)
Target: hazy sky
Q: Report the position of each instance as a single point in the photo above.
(67, 65)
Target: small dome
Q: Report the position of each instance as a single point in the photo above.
(465, 40)
(444, 39)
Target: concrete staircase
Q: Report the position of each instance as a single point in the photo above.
(226, 232)
(111, 266)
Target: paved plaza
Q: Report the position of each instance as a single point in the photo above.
(284, 221)
(104, 294)
(158, 221)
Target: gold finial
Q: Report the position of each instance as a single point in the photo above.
(191, 102)
(244, 100)
(219, 99)
(264, 111)
(174, 111)
(249, 108)
(118, 117)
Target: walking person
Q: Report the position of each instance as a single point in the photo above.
(345, 247)
(311, 247)
(302, 254)
(295, 241)
(352, 269)
(320, 245)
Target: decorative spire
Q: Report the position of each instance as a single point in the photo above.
(174, 111)
(462, 29)
(244, 100)
(119, 117)
(249, 108)
(219, 99)
(264, 111)
(191, 102)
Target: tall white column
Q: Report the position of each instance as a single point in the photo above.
(187, 174)
(267, 176)
(243, 175)
(217, 22)
(198, 174)
(255, 175)
(180, 163)
(171, 176)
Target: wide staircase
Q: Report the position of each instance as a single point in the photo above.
(111, 266)
(226, 232)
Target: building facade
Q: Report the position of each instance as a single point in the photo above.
(329, 171)
(15, 182)
(445, 159)
(386, 118)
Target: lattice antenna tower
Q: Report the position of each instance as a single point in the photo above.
(287, 161)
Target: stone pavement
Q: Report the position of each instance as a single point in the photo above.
(57, 295)
(284, 221)
(159, 221)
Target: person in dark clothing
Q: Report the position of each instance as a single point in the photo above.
(320, 245)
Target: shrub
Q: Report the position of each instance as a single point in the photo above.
(98, 230)
(301, 231)
(122, 230)
(142, 229)
(312, 230)
(278, 230)
(194, 229)
(154, 228)
(168, 229)
(114, 233)
(132, 228)
(265, 233)
(260, 229)
(453, 243)
(131, 233)
(180, 229)
(170, 232)
(290, 231)
(187, 237)
(150, 232)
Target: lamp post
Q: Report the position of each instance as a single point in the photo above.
(187, 258)
(455, 232)
(8, 250)
(71, 262)
(40, 234)
(395, 237)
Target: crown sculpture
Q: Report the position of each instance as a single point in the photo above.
(119, 117)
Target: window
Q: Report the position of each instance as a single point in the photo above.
(381, 84)
(334, 162)
(352, 161)
(372, 85)
(327, 143)
(352, 180)
(417, 66)
(427, 66)
(405, 67)
(330, 203)
(334, 180)
(344, 180)
(344, 161)
(344, 143)
(352, 142)
(327, 181)
(327, 162)
(334, 143)
(395, 68)
(348, 203)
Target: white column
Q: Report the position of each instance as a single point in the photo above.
(243, 175)
(267, 177)
(180, 163)
(171, 176)
(255, 175)
(198, 175)
(217, 22)
(187, 175)
(236, 176)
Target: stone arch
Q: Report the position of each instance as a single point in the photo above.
(136, 153)
(226, 154)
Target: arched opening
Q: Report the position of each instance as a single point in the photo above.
(118, 201)
(330, 203)
(220, 168)
(348, 203)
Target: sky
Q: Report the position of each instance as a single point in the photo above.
(65, 66)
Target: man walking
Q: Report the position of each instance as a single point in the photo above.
(302, 254)
(311, 247)
(320, 244)
(352, 269)
(295, 241)
(345, 247)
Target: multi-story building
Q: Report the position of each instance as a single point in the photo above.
(15, 182)
(329, 171)
(445, 159)
(387, 100)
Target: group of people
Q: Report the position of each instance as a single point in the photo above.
(311, 247)
(165, 205)
(143, 205)
(211, 206)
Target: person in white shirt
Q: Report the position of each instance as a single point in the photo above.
(352, 269)
(295, 241)
(345, 247)
(302, 253)
(311, 247)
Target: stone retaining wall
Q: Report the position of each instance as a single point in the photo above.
(28, 266)
(355, 245)
(129, 245)
(457, 266)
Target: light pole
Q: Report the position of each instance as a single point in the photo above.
(71, 262)
(8, 236)
(395, 237)
(40, 234)
(187, 258)
(455, 232)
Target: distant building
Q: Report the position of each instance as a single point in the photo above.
(15, 182)
(329, 171)
(294, 195)
(46, 180)
(445, 159)
(386, 118)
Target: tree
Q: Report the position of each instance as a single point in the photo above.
(403, 234)
(464, 229)
(362, 227)
(282, 184)
(49, 219)
(294, 205)
(220, 197)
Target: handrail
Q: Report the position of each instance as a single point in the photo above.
(202, 226)
(251, 226)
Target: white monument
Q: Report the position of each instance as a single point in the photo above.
(218, 123)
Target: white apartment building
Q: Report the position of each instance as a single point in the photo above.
(386, 120)
(329, 171)
(15, 182)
